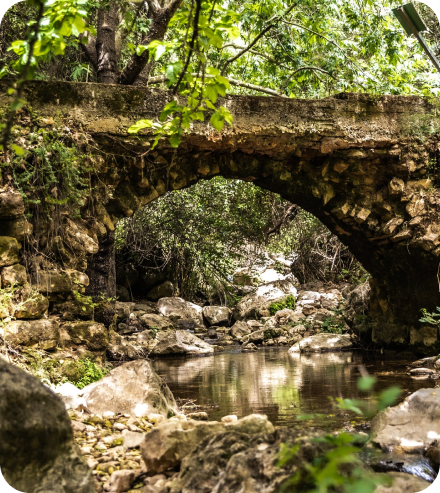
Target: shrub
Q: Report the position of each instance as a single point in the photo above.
(288, 302)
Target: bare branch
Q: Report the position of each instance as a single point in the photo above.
(239, 83)
(191, 43)
(310, 67)
(272, 23)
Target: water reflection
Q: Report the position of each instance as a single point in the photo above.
(283, 386)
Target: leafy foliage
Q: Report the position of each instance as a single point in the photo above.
(430, 318)
(84, 371)
(208, 49)
(202, 234)
(288, 302)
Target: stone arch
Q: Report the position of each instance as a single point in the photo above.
(365, 166)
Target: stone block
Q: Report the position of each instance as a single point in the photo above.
(13, 275)
(8, 251)
(11, 204)
(32, 307)
(92, 334)
(41, 334)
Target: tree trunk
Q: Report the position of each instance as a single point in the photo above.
(107, 71)
(158, 28)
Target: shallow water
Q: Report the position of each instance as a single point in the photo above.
(280, 385)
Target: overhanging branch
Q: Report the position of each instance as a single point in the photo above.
(239, 83)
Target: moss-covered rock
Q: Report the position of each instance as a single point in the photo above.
(32, 415)
(13, 275)
(32, 308)
(73, 309)
(8, 251)
(91, 334)
(40, 334)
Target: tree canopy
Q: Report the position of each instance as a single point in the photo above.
(203, 49)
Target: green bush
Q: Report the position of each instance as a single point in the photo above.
(288, 302)
(83, 372)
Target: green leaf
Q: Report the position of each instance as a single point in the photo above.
(366, 383)
(17, 149)
(139, 125)
(175, 140)
(217, 120)
(211, 92)
(388, 397)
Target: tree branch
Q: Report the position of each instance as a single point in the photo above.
(310, 67)
(160, 19)
(322, 36)
(239, 83)
(153, 6)
(272, 23)
(191, 43)
(291, 210)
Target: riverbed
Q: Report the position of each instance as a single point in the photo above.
(287, 388)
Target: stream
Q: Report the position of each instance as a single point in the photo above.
(281, 385)
(293, 390)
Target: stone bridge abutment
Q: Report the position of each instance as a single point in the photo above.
(366, 166)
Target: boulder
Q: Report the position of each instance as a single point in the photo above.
(37, 451)
(11, 204)
(330, 301)
(168, 443)
(323, 342)
(52, 282)
(123, 294)
(40, 334)
(164, 290)
(394, 428)
(217, 315)
(32, 307)
(157, 322)
(179, 308)
(8, 251)
(123, 310)
(13, 275)
(120, 481)
(180, 342)
(254, 304)
(92, 334)
(236, 461)
(70, 395)
(239, 330)
(287, 315)
(146, 306)
(132, 388)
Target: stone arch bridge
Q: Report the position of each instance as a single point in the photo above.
(366, 166)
